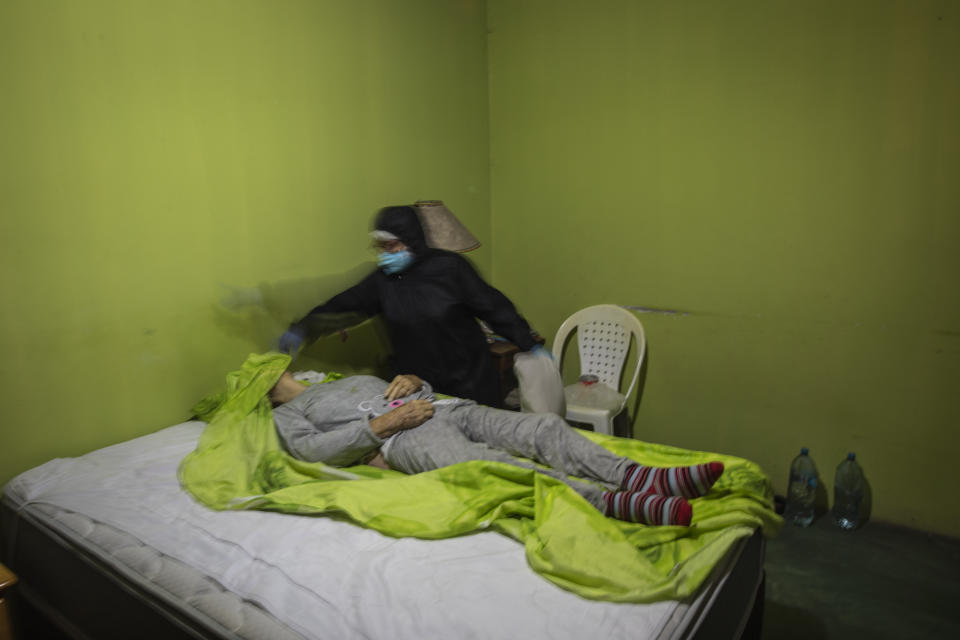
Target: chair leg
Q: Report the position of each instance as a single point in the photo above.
(621, 425)
(604, 425)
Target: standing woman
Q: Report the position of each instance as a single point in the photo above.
(430, 299)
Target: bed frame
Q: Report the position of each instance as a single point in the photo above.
(69, 588)
(78, 592)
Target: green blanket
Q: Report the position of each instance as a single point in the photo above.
(240, 464)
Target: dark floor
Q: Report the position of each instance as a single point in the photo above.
(877, 582)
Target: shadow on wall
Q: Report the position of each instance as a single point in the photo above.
(260, 314)
(641, 385)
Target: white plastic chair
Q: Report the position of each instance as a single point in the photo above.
(604, 333)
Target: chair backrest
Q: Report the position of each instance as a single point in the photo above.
(603, 339)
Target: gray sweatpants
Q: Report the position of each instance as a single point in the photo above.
(459, 433)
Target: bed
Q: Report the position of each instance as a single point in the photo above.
(109, 542)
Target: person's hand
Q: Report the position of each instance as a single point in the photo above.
(407, 416)
(412, 414)
(403, 385)
(539, 350)
(289, 342)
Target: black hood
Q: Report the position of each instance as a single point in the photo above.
(403, 222)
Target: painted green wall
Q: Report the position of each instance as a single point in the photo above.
(784, 175)
(179, 179)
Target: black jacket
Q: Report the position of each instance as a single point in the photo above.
(430, 311)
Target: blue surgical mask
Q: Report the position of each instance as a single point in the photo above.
(395, 262)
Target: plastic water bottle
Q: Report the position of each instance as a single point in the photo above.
(802, 490)
(847, 493)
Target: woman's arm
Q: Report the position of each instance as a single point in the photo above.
(491, 306)
(343, 310)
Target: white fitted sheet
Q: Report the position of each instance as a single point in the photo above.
(329, 579)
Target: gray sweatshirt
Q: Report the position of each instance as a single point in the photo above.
(330, 422)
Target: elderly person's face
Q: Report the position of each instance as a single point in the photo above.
(286, 389)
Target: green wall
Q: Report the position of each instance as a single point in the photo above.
(783, 175)
(179, 179)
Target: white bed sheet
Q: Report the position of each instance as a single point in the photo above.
(325, 578)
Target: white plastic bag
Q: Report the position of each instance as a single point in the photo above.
(590, 392)
(541, 388)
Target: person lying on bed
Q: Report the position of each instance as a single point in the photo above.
(358, 419)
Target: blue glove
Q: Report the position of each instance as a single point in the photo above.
(538, 350)
(290, 342)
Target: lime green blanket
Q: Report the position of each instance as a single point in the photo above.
(240, 464)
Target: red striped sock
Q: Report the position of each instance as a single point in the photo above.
(689, 482)
(647, 508)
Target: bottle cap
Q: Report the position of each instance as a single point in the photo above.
(588, 379)
(804, 451)
(851, 456)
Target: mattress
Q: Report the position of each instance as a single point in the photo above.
(252, 575)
